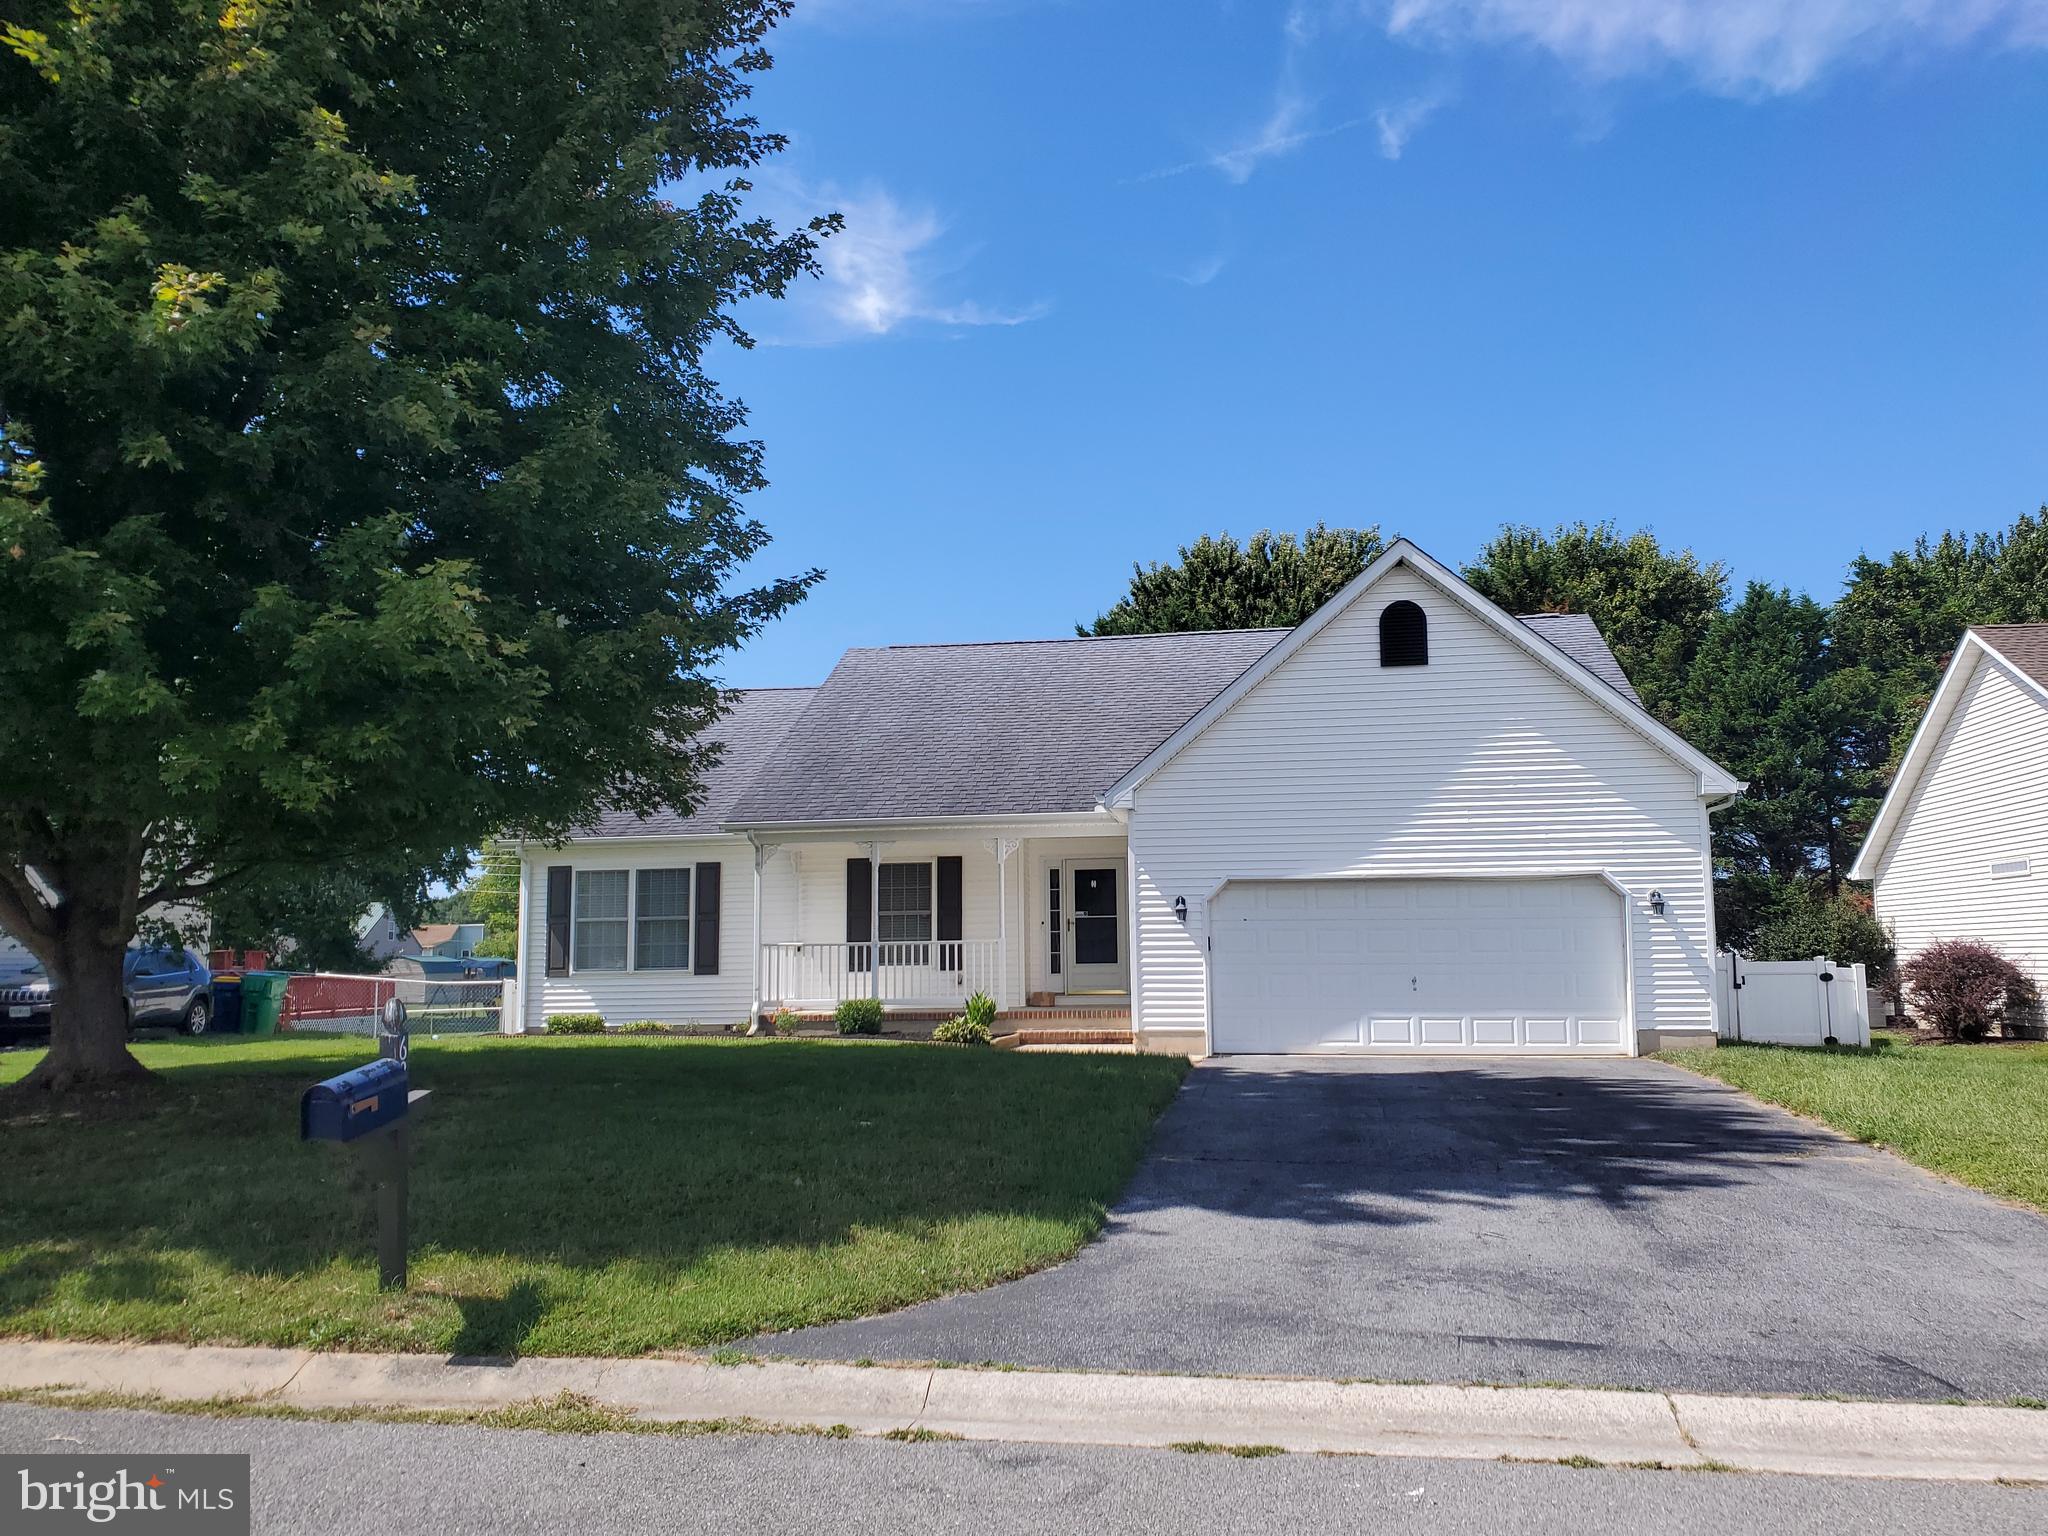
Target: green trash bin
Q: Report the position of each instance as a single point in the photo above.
(262, 1001)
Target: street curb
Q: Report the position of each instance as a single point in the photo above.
(1752, 1434)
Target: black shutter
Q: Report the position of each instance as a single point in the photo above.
(860, 911)
(946, 914)
(558, 919)
(704, 960)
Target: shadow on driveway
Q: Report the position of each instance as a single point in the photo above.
(1615, 1223)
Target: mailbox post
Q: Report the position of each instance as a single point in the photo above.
(373, 1107)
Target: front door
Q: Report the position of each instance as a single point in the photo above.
(1092, 928)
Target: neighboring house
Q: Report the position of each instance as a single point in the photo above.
(450, 967)
(1413, 823)
(379, 936)
(450, 941)
(1959, 849)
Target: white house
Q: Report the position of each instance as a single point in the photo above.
(1413, 823)
(1959, 849)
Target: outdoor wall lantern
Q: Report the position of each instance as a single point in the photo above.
(1657, 902)
(1180, 908)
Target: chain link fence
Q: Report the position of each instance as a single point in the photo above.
(321, 1004)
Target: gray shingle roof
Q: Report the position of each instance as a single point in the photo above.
(2024, 645)
(1023, 727)
(1015, 728)
(751, 731)
(1579, 638)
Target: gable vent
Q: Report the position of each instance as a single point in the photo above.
(1404, 635)
(2011, 869)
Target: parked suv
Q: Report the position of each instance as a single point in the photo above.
(163, 986)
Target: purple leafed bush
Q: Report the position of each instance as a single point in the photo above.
(1964, 989)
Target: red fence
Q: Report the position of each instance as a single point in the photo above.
(330, 999)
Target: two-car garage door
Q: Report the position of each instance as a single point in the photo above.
(1447, 965)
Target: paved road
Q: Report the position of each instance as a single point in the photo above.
(1617, 1223)
(374, 1479)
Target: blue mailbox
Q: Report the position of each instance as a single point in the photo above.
(356, 1103)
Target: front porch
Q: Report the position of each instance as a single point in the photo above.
(1041, 923)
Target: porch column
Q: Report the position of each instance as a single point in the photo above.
(1002, 848)
(763, 852)
(875, 919)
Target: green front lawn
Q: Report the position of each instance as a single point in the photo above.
(570, 1196)
(1976, 1113)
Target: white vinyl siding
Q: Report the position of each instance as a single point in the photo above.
(1982, 800)
(1482, 762)
(672, 996)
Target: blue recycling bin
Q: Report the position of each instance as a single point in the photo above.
(227, 1005)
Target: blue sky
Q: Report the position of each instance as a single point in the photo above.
(1768, 278)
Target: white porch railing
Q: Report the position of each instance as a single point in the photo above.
(938, 972)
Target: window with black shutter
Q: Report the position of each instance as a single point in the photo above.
(708, 880)
(860, 917)
(952, 955)
(559, 876)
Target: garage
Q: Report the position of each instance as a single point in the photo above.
(1452, 966)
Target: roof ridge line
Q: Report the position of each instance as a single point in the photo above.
(1160, 634)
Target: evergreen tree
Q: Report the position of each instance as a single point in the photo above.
(1767, 698)
(1900, 619)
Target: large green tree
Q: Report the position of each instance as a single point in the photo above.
(1271, 580)
(1653, 605)
(362, 489)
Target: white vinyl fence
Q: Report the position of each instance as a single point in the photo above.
(1792, 1002)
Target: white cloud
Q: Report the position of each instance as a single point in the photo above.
(1397, 124)
(1734, 46)
(1202, 273)
(1285, 130)
(1287, 126)
(883, 272)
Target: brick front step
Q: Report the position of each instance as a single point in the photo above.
(1118, 1011)
(1024, 1037)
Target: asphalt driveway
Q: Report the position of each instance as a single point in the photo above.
(1618, 1223)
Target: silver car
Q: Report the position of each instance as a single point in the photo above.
(164, 987)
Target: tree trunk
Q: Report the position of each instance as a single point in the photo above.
(89, 1013)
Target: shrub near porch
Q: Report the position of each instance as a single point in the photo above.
(571, 1196)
